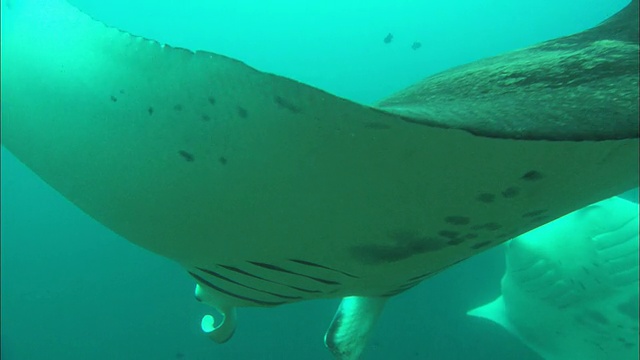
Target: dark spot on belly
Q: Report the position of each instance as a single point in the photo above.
(205, 117)
(532, 175)
(448, 234)
(211, 100)
(242, 112)
(480, 245)
(222, 160)
(511, 192)
(455, 242)
(629, 307)
(286, 104)
(457, 220)
(534, 213)
(403, 244)
(470, 236)
(597, 317)
(113, 98)
(185, 155)
(150, 110)
(486, 198)
(177, 107)
(582, 285)
(492, 226)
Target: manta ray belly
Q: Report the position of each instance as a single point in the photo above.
(269, 191)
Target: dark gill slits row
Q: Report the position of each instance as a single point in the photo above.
(277, 268)
(267, 284)
(308, 263)
(213, 273)
(208, 284)
(240, 271)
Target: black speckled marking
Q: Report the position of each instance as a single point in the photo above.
(470, 236)
(242, 112)
(534, 213)
(596, 315)
(178, 107)
(186, 155)
(222, 160)
(113, 98)
(582, 285)
(377, 126)
(455, 242)
(492, 226)
(405, 244)
(457, 220)
(532, 175)
(286, 104)
(511, 192)
(211, 100)
(486, 198)
(449, 234)
(480, 245)
(150, 110)
(629, 307)
(205, 117)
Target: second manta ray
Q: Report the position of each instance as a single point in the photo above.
(269, 191)
(571, 286)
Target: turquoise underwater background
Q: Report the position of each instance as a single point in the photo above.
(72, 289)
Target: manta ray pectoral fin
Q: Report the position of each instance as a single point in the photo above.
(222, 332)
(494, 311)
(618, 249)
(352, 326)
(570, 290)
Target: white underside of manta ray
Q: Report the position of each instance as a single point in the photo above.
(571, 286)
(269, 191)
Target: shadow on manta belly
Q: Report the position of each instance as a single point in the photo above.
(268, 191)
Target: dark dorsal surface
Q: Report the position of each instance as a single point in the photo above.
(579, 87)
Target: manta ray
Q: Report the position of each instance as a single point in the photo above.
(571, 286)
(269, 191)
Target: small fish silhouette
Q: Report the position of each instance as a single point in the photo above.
(388, 38)
(416, 45)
